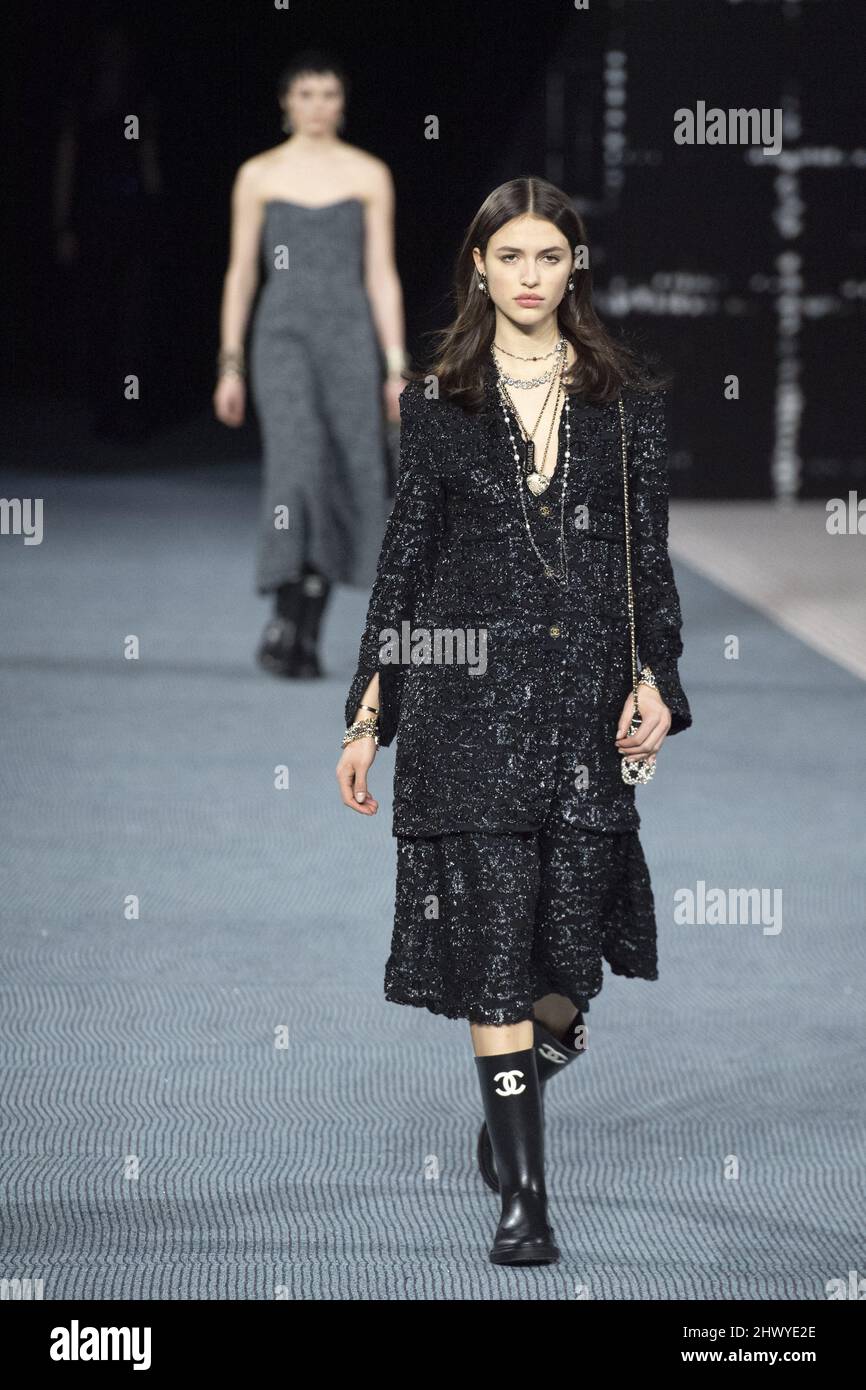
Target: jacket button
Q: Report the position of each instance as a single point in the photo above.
(544, 509)
(554, 631)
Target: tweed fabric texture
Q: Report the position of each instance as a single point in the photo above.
(477, 749)
(316, 374)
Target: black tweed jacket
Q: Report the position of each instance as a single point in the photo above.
(478, 750)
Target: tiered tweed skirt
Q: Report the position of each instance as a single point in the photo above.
(485, 924)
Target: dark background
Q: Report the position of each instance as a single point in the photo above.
(686, 249)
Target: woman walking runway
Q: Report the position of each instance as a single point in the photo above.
(318, 214)
(529, 529)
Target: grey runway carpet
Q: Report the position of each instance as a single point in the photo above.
(204, 1093)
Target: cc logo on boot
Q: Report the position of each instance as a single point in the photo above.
(510, 1087)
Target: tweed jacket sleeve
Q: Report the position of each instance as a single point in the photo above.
(658, 617)
(407, 558)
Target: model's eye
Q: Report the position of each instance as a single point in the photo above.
(549, 256)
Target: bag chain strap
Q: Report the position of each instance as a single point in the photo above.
(639, 769)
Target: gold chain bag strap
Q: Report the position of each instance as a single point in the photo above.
(636, 769)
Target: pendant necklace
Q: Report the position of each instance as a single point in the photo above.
(561, 576)
(536, 480)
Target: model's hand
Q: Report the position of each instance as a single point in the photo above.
(392, 390)
(352, 775)
(229, 400)
(655, 722)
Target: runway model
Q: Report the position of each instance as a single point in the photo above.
(498, 638)
(318, 214)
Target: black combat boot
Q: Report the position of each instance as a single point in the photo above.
(277, 651)
(316, 592)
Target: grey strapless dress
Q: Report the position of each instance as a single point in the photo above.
(316, 379)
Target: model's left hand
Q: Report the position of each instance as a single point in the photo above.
(655, 722)
(392, 391)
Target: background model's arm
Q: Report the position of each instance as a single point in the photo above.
(242, 275)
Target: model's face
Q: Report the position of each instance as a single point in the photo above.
(314, 103)
(527, 264)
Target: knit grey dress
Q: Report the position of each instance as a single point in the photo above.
(316, 378)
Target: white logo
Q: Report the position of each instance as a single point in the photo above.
(511, 1087)
(77, 1343)
(549, 1051)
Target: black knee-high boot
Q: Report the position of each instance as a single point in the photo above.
(551, 1056)
(278, 648)
(314, 600)
(511, 1095)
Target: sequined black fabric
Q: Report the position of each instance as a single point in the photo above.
(485, 924)
(480, 751)
(519, 866)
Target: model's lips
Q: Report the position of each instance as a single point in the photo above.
(529, 299)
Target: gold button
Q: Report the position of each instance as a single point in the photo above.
(554, 631)
(545, 510)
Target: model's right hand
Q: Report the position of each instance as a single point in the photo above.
(229, 400)
(352, 769)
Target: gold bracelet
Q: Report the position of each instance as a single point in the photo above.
(362, 728)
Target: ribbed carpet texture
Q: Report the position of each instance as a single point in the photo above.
(204, 1093)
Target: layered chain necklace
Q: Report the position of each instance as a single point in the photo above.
(535, 480)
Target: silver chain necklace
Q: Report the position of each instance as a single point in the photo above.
(539, 357)
(561, 578)
(523, 382)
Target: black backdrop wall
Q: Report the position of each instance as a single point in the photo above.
(723, 259)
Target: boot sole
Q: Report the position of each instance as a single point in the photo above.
(526, 1255)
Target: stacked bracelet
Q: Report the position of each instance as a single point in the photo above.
(647, 678)
(362, 728)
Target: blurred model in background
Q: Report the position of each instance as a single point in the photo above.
(326, 356)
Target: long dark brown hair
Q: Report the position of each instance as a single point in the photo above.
(602, 364)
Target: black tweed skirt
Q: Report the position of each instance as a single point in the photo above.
(485, 924)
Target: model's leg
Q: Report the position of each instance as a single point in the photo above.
(290, 643)
(316, 591)
(556, 1012)
(490, 1041)
(295, 445)
(558, 1036)
(278, 648)
(287, 600)
(514, 1121)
